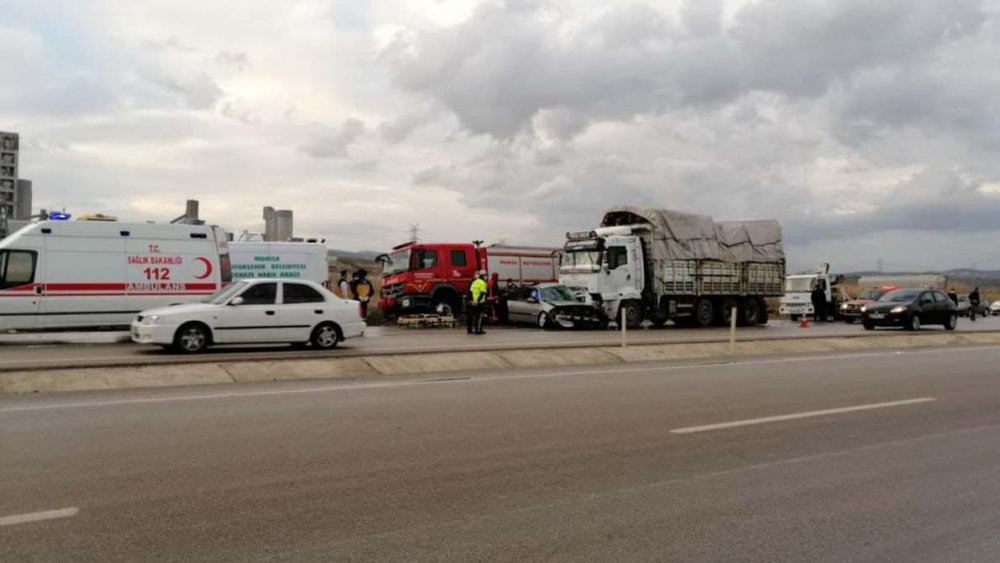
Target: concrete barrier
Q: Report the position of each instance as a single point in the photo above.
(88, 379)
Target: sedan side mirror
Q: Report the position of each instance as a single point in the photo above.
(532, 300)
(236, 302)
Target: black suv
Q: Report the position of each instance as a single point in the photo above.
(911, 309)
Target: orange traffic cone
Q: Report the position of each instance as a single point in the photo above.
(805, 322)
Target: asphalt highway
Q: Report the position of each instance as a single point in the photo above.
(393, 341)
(889, 456)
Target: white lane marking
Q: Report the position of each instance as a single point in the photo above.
(38, 516)
(482, 379)
(796, 416)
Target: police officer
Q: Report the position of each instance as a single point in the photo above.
(478, 291)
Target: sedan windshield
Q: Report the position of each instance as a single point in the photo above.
(397, 263)
(556, 293)
(901, 296)
(223, 296)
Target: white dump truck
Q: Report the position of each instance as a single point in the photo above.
(659, 265)
(797, 300)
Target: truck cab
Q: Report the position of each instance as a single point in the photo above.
(604, 267)
(427, 277)
(797, 300)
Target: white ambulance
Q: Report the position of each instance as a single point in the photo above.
(280, 260)
(74, 274)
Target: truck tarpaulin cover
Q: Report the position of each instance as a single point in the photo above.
(684, 236)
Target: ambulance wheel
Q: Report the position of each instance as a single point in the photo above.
(325, 337)
(192, 338)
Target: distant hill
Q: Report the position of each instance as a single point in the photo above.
(957, 274)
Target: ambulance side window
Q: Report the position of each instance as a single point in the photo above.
(17, 267)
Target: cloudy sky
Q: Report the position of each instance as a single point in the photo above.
(871, 129)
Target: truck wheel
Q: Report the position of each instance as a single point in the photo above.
(724, 314)
(633, 314)
(750, 312)
(704, 312)
(764, 315)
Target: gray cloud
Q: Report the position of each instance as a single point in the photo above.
(200, 92)
(335, 144)
(232, 59)
(399, 129)
(510, 60)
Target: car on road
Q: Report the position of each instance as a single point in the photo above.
(995, 308)
(911, 309)
(551, 305)
(851, 310)
(259, 311)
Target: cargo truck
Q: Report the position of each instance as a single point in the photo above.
(659, 265)
(434, 277)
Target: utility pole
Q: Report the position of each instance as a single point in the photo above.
(415, 232)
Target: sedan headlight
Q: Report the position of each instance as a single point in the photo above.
(864, 308)
(899, 309)
(153, 320)
(843, 306)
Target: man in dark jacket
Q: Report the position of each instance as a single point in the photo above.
(819, 301)
(974, 301)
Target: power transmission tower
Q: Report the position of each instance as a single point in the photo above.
(415, 232)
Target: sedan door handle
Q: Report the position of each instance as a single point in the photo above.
(318, 311)
(269, 313)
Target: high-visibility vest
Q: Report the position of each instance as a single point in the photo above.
(478, 291)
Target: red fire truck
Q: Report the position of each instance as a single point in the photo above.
(418, 277)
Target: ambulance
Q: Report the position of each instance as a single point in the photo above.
(282, 260)
(81, 274)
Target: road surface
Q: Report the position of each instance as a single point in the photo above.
(393, 341)
(873, 457)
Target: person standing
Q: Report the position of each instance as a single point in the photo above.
(479, 292)
(362, 290)
(953, 296)
(974, 301)
(344, 286)
(819, 302)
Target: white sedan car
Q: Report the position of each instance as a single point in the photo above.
(254, 312)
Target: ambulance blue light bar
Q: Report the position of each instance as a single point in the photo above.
(59, 216)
